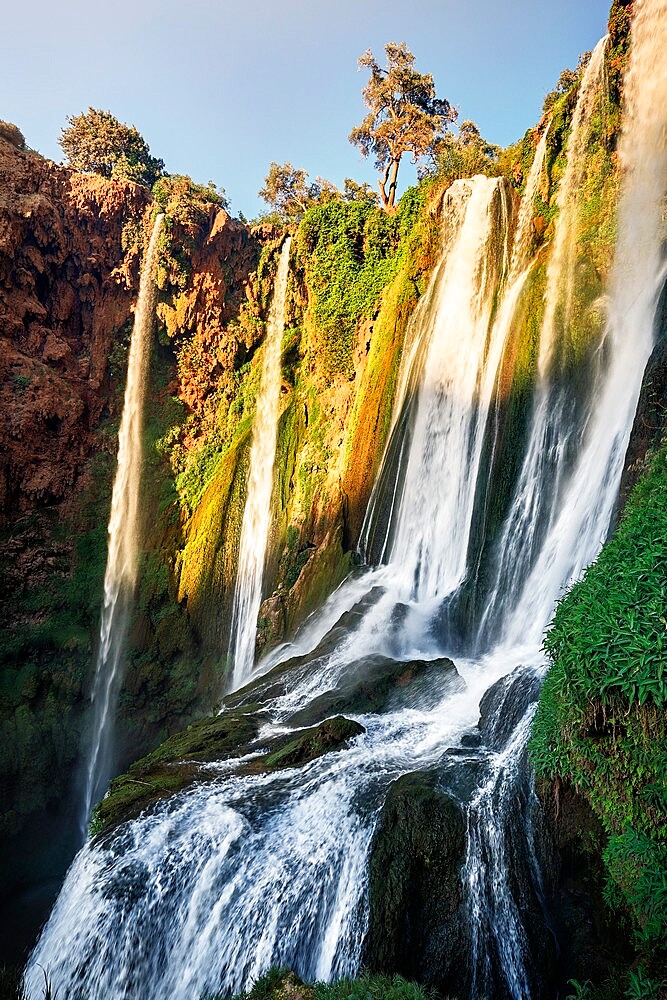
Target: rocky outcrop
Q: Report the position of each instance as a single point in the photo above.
(66, 290)
(71, 247)
(593, 944)
(417, 924)
(176, 764)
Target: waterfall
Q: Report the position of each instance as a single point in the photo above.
(257, 513)
(209, 888)
(457, 376)
(124, 530)
(554, 421)
(579, 523)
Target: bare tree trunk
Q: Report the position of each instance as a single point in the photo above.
(393, 167)
(381, 184)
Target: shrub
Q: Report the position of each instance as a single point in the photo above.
(12, 133)
(96, 142)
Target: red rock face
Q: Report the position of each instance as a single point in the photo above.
(66, 285)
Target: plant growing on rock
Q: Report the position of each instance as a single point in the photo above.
(404, 115)
(465, 154)
(96, 142)
(13, 134)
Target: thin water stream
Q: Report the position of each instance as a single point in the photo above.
(257, 512)
(120, 577)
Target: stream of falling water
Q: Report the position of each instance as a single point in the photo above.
(554, 423)
(124, 528)
(211, 887)
(257, 513)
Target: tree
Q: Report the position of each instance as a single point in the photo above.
(96, 142)
(465, 154)
(352, 191)
(287, 191)
(404, 115)
(12, 134)
(566, 81)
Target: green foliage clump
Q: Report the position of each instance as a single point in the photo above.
(600, 722)
(12, 133)
(349, 252)
(465, 154)
(283, 984)
(96, 142)
(21, 382)
(609, 634)
(182, 199)
(289, 194)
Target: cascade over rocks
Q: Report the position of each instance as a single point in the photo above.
(175, 764)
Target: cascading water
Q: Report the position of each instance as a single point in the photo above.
(257, 513)
(209, 888)
(124, 529)
(554, 423)
(577, 527)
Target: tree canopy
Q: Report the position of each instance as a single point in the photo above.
(404, 115)
(96, 142)
(289, 193)
(465, 154)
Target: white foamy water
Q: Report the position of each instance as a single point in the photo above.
(257, 512)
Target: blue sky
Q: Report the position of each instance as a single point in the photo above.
(219, 89)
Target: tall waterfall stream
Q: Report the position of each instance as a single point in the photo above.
(208, 889)
(257, 513)
(124, 529)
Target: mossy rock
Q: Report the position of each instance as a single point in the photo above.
(332, 734)
(175, 764)
(416, 925)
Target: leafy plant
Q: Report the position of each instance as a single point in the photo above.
(96, 142)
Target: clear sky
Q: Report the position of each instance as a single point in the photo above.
(219, 88)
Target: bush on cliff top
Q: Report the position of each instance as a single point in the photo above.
(96, 142)
(13, 134)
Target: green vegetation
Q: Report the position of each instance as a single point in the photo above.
(21, 382)
(12, 133)
(600, 723)
(282, 984)
(96, 142)
(349, 252)
(289, 194)
(465, 154)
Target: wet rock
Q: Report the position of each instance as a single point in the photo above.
(592, 941)
(179, 761)
(504, 705)
(333, 734)
(173, 766)
(375, 683)
(417, 926)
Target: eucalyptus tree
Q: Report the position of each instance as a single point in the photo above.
(404, 115)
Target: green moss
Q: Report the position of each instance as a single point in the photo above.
(349, 251)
